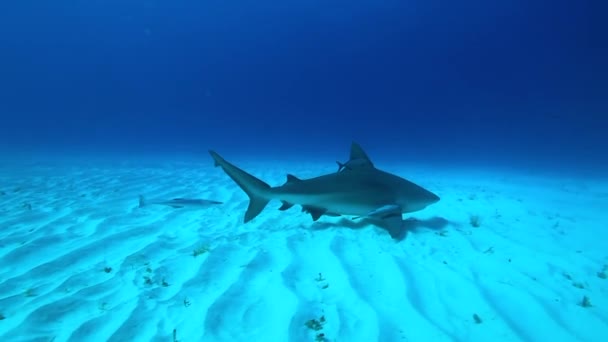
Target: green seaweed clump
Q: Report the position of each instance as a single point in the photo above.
(164, 283)
(30, 292)
(586, 302)
(604, 273)
(477, 319)
(475, 221)
(200, 250)
(578, 284)
(315, 324)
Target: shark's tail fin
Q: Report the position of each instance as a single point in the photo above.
(256, 189)
(142, 201)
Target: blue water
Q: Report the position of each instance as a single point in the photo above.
(514, 83)
(479, 101)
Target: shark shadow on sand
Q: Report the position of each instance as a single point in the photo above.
(396, 232)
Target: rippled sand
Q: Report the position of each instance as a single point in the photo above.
(80, 261)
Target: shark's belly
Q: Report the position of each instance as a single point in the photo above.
(347, 203)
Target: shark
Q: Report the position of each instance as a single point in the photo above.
(359, 189)
(180, 202)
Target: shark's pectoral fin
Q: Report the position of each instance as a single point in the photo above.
(385, 210)
(315, 212)
(382, 212)
(394, 225)
(390, 216)
(286, 205)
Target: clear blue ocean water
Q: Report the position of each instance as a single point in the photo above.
(104, 92)
(515, 82)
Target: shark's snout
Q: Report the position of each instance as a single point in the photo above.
(428, 199)
(433, 198)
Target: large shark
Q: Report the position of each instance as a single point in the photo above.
(358, 189)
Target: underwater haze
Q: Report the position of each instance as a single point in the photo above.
(523, 81)
(468, 202)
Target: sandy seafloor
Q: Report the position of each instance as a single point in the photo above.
(79, 261)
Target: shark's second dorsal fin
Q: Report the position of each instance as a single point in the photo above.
(291, 178)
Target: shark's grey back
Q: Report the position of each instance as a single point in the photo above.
(358, 188)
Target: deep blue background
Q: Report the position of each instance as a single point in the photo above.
(428, 79)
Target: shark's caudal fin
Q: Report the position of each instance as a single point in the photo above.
(256, 189)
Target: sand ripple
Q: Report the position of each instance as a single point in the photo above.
(79, 261)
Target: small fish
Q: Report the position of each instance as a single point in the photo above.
(180, 202)
(354, 163)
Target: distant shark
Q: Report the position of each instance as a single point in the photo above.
(180, 202)
(358, 189)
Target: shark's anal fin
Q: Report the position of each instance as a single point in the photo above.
(286, 205)
(315, 212)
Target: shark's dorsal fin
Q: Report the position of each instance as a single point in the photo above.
(358, 158)
(291, 178)
(356, 152)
